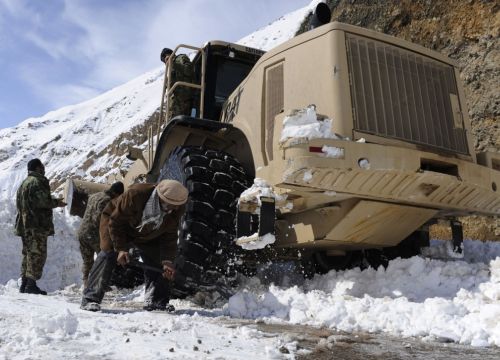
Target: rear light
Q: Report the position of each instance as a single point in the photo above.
(315, 149)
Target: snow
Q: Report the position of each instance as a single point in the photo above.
(260, 188)
(52, 327)
(278, 31)
(438, 298)
(254, 242)
(364, 164)
(304, 123)
(433, 299)
(307, 176)
(333, 152)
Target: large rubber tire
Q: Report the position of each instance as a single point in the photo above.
(205, 247)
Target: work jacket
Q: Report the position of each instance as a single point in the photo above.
(34, 206)
(89, 227)
(119, 228)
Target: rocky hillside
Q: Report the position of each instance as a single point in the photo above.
(465, 30)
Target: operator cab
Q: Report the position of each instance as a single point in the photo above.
(218, 68)
(227, 65)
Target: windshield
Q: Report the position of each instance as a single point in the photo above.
(229, 75)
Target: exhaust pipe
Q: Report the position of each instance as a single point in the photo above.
(321, 16)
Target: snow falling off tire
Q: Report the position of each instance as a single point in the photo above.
(205, 247)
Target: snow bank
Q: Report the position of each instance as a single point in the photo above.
(434, 299)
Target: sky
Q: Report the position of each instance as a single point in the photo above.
(55, 53)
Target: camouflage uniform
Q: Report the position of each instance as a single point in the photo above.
(34, 222)
(88, 233)
(181, 101)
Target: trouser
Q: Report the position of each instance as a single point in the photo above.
(88, 247)
(99, 277)
(180, 102)
(157, 288)
(34, 254)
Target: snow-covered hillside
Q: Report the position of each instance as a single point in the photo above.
(63, 139)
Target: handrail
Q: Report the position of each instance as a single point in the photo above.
(168, 90)
(167, 84)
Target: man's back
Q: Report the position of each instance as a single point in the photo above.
(34, 205)
(182, 101)
(95, 205)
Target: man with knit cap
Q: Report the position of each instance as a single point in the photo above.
(146, 216)
(34, 224)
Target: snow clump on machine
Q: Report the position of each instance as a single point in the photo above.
(251, 196)
(304, 123)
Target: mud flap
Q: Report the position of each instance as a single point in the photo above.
(457, 236)
(251, 220)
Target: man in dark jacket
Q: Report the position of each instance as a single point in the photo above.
(146, 216)
(88, 233)
(34, 224)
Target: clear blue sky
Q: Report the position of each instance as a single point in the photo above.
(60, 52)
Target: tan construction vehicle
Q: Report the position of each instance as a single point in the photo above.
(395, 153)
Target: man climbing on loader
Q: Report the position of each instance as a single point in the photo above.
(182, 99)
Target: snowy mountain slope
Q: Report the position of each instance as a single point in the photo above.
(280, 30)
(62, 139)
(88, 140)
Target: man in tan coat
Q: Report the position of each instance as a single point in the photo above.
(146, 216)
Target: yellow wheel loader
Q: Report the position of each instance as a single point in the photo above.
(362, 141)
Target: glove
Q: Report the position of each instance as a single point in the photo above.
(60, 203)
(168, 270)
(123, 258)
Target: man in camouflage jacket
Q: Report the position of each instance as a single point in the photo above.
(181, 100)
(34, 224)
(88, 233)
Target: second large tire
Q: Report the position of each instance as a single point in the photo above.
(205, 247)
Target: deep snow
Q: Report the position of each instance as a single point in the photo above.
(434, 299)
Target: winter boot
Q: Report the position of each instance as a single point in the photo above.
(32, 288)
(161, 307)
(91, 306)
(22, 288)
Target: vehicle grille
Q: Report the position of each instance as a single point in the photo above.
(400, 94)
